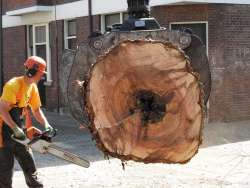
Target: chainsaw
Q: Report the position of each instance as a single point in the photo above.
(42, 142)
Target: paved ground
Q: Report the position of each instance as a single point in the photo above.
(222, 162)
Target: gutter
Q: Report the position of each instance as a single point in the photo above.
(90, 17)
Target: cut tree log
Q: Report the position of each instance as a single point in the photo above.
(145, 103)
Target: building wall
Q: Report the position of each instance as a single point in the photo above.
(233, 90)
(228, 49)
(229, 54)
(16, 4)
(187, 13)
(14, 51)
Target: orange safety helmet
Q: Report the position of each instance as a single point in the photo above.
(35, 64)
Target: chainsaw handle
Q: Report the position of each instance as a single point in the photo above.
(23, 142)
(45, 135)
(49, 133)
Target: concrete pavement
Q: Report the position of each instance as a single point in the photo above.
(222, 162)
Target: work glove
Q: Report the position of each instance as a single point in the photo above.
(18, 133)
(49, 128)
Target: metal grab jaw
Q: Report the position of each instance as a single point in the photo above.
(42, 143)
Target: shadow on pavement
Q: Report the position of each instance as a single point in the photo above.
(225, 133)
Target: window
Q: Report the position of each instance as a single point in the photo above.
(70, 34)
(38, 44)
(198, 28)
(109, 19)
(125, 16)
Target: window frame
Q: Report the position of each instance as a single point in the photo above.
(103, 20)
(28, 40)
(193, 22)
(66, 34)
(46, 43)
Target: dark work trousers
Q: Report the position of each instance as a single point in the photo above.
(15, 150)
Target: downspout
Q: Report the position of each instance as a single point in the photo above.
(57, 61)
(90, 17)
(1, 47)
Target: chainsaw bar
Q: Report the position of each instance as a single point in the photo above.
(67, 156)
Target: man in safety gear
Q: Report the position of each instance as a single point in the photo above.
(18, 94)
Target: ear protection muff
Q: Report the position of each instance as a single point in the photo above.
(30, 72)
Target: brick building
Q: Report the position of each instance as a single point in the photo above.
(47, 27)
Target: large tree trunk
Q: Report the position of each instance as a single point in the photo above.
(145, 103)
